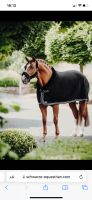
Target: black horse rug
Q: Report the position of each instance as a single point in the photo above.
(63, 87)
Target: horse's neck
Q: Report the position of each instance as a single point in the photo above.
(44, 74)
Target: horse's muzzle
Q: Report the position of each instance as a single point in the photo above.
(25, 78)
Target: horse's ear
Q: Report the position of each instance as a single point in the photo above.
(27, 59)
(33, 59)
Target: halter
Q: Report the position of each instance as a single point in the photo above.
(33, 76)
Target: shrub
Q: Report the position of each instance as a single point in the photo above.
(17, 60)
(3, 109)
(9, 82)
(2, 121)
(73, 46)
(11, 156)
(35, 42)
(6, 153)
(4, 149)
(20, 141)
(16, 107)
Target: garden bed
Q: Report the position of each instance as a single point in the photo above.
(10, 90)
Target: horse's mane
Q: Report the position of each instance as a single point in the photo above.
(43, 61)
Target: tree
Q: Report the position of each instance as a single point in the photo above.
(28, 34)
(12, 36)
(35, 42)
(73, 46)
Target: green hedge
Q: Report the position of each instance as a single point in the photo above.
(3, 109)
(9, 82)
(6, 153)
(20, 141)
(16, 107)
(74, 45)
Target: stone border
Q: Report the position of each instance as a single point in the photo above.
(16, 90)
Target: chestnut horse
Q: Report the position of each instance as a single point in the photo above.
(42, 71)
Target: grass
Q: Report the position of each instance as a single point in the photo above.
(22, 146)
(9, 82)
(9, 78)
(63, 149)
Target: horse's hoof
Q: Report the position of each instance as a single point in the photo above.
(57, 136)
(74, 135)
(43, 139)
(81, 135)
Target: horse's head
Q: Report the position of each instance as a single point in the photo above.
(29, 70)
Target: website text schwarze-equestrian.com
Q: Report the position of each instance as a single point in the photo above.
(45, 184)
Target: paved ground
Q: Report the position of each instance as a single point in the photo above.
(30, 116)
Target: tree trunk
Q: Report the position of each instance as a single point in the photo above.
(81, 68)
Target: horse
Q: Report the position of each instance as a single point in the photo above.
(55, 87)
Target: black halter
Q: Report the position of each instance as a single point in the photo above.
(33, 76)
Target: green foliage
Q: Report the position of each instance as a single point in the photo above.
(20, 141)
(67, 24)
(4, 149)
(16, 107)
(1, 121)
(9, 82)
(63, 149)
(74, 45)
(12, 36)
(6, 153)
(35, 43)
(33, 83)
(5, 62)
(3, 109)
(17, 59)
(11, 156)
(50, 37)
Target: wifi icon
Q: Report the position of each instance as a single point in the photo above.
(79, 5)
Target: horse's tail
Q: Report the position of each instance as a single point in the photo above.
(87, 120)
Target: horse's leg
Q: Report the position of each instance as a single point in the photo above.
(83, 117)
(55, 119)
(44, 119)
(76, 115)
